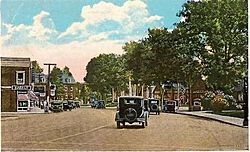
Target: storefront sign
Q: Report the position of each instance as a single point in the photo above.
(21, 87)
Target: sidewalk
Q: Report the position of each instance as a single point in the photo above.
(224, 119)
(15, 115)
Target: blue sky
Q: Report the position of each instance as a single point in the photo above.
(61, 14)
(90, 27)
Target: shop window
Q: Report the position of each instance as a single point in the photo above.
(22, 106)
(20, 77)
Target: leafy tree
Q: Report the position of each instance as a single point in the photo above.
(36, 67)
(55, 78)
(106, 72)
(220, 38)
(66, 71)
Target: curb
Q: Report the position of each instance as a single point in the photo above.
(9, 118)
(204, 117)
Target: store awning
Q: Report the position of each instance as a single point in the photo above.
(32, 96)
(22, 97)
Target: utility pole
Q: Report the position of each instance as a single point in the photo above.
(48, 81)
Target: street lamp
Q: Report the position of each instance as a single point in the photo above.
(48, 85)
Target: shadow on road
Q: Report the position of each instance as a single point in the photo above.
(132, 126)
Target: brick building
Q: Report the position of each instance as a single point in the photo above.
(69, 87)
(16, 89)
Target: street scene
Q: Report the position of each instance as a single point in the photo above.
(95, 129)
(136, 75)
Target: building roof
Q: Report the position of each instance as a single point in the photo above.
(15, 62)
(67, 79)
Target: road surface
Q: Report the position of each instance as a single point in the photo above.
(95, 129)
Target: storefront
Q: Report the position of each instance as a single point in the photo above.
(15, 84)
(23, 101)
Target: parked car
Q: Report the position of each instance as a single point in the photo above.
(196, 106)
(77, 103)
(72, 103)
(170, 106)
(131, 109)
(56, 106)
(67, 105)
(93, 104)
(154, 106)
(100, 104)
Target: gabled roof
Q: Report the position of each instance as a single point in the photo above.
(67, 79)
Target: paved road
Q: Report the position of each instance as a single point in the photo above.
(94, 129)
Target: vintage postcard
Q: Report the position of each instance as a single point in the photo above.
(124, 75)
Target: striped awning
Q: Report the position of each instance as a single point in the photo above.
(32, 96)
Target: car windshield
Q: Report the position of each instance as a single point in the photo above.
(56, 103)
(154, 101)
(170, 103)
(196, 103)
(131, 101)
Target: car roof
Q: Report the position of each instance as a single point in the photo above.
(137, 97)
(153, 99)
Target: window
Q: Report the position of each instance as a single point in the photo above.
(20, 77)
(154, 101)
(65, 88)
(71, 88)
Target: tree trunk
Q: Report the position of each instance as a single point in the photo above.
(113, 95)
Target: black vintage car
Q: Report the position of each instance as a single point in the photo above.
(100, 104)
(169, 106)
(93, 103)
(56, 106)
(77, 103)
(196, 105)
(67, 106)
(131, 109)
(154, 106)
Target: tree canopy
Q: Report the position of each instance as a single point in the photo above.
(106, 72)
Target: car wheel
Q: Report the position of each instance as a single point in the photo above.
(130, 114)
(118, 125)
(143, 125)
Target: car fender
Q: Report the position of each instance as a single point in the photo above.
(117, 116)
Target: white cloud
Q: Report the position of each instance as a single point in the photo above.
(41, 30)
(131, 16)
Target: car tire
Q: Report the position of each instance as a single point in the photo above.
(143, 125)
(118, 125)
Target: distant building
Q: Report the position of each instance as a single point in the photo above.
(39, 82)
(16, 89)
(69, 87)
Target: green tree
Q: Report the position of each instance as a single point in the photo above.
(55, 78)
(66, 71)
(218, 31)
(36, 67)
(106, 72)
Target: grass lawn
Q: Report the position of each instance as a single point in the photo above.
(238, 113)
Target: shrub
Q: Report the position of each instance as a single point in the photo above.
(206, 100)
